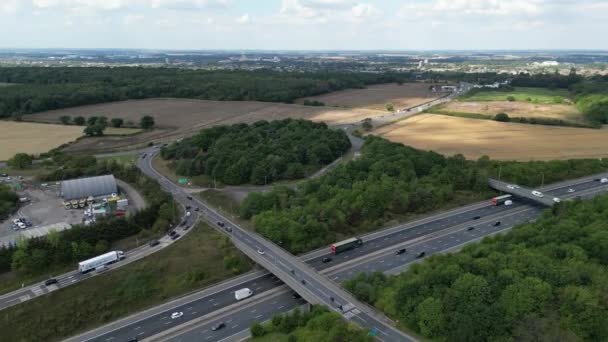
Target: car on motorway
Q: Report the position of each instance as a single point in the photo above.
(556, 199)
(177, 314)
(509, 186)
(261, 251)
(4, 175)
(538, 194)
(186, 228)
(50, 281)
(172, 232)
(496, 224)
(571, 190)
(470, 228)
(189, 197)
(325, 260)
(604, 180)
(242, 293)
(508, 202)
(420, 255)
(153, 243)
(188, 207)
(220, 223)
(400, 251)
(218, 326)
(296, 295)
(197, 209)
(228, 229)
(476, 217)
(175, 236)
(134, 339)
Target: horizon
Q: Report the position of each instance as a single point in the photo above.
(305, 25)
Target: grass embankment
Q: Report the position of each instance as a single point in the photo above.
(536, 95)
(124, 160)
(192, 263)
(164, 168)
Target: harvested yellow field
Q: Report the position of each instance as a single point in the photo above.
(33, 138)
(377, 96)
(504, 141)
(517, 109)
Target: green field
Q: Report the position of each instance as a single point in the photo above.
(202, 258)
(536, 95)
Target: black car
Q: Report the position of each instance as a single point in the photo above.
(218, 326)
(175, 236)
(186, 227)
(189, 197)
(188, 207)
(220, 223)
(153, 243)
(50, 282)
(183, 223)
(196, 209)
(326, 260)
(400, 251)
(172, 232)
(134, 339)
(295, 295)
(497, 223)
(420, 255)
(476, 217)
(4, 175)
(470, 228)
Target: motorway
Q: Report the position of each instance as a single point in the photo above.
(377, 254)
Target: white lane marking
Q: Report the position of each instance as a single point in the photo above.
(282, 306)
(109, 339)
(208, 337)
(194, 312)
(137, 328)
(189, 308)
(141, 333)
(234, 326)
(258, 316)
(168, 323)
(253, 311)
(258, 288)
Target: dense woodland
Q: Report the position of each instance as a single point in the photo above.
(543, 281)
(389, 181)
(34, 256)
(8, 201)
(43, 89)
(318, 325)
(259, 153)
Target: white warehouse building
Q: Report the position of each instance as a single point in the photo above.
(101, 186)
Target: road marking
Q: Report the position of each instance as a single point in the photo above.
(234, 326)
(258, 288)
(381, 261)
(137, 328)
(208, 337)
(141, 333)
(282, 306)
(253, 311)
(189, 308)
(168, 323)
(194, 312)
(258, 316)
(109, 339)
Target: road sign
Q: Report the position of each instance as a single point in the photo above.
(183, 180)
(373, 332)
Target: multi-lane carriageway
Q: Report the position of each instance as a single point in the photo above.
(435, 234)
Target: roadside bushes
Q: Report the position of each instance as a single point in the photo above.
(8, 201)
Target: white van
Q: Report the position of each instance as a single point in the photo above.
(242, 293)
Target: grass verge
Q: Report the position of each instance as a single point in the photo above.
(201, 258)
(535, 95)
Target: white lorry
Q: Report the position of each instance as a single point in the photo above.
(100, 260)
(242, 293)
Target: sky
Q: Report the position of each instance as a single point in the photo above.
(305, 24)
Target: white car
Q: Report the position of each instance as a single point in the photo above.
(21, 225)
(261, 251)
(556, 199)
(604, 180)
(570, 190)
(176, 315)
(16, 221)
(537, 193)
(510, 187)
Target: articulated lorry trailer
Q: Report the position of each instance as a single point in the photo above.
(100, 260)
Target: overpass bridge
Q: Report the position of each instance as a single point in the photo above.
(521, 192)
(307, 282)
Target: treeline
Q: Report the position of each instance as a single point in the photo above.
(387, 182)
(543, 281)
(42, 89)
(259, 153)
(8, 201)
(590, 94)
(319, 325)
(34, 256)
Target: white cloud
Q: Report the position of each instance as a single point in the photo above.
(244, 19)
(132, 19)
(364, 10)
(187, 4)
(473, 7)
(9, 6)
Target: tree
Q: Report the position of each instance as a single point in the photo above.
(102, 121)
(116, 122)
(502, 117)
(91, 120)
(390, 107)
(257, 330)
(146, 122)
(367, 124)
(94, 130)
(65, 119)
(510, 98)
(21, 161)
(79, 120)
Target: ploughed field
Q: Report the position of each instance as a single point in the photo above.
(33, 138)
(377, 96)
(505, 141)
